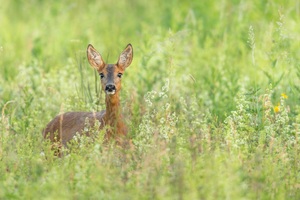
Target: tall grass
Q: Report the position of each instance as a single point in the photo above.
(211, 99)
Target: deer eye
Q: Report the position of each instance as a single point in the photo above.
(101, 75)
(120, 75)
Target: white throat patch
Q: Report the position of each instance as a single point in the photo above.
(111, 93)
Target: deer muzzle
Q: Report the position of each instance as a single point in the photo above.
(110, 89)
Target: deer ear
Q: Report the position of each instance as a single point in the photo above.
(125, 57)
(94, 58)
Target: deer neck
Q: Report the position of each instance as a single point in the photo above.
(113, 116)
(112, 107)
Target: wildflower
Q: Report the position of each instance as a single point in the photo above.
(283, 95)
(277, 108)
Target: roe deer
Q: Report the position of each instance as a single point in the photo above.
(64, 127)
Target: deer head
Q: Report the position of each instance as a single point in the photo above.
(110, 74)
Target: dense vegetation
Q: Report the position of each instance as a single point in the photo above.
(212, 98)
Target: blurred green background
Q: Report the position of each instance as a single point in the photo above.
(212, 91)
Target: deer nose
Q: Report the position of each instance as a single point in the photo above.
(110, 88)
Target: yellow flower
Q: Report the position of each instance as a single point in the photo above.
(283, 95)
(277, 108)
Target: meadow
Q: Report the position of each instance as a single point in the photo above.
(211, 99)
